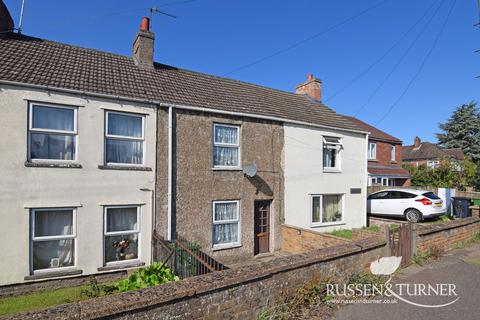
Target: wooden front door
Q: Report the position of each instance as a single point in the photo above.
(262, 227)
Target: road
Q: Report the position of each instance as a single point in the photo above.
(460, 267)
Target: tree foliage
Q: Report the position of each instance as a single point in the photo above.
(462, 130)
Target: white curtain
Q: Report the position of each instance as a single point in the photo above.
(124, 125)
(332, 208)
(225, 156)
(225, 211)
(124, 151)
(52, 146)
(225, 233)
(53, 118)
(227, 135)
(329, 157)
(53, 253)
(121, 219)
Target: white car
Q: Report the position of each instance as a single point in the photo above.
(414, 205)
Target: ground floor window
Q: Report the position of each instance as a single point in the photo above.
(382, 181)
(53, 238)
(327, 208)
(226, 229)
(121, 233)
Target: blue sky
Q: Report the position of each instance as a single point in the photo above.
(388, 44)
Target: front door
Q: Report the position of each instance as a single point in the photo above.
(262, 227)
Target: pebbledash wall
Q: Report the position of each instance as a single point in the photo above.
(197, 184)
(305, 176)
(238, 293)
(88, 189)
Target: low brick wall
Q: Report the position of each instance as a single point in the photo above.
(445, 235)
(237, 293)
(297, 240)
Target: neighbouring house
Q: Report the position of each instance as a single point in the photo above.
(103, 150)
(325, 168)
(430, 154)
(384, 157)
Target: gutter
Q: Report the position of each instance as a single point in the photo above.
(177, 106)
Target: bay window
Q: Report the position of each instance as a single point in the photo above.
(121, 233)
(52, 133)
(327, 209)
(226, 146)
(124, 138)
(331, 153)
(53, 238)
(226, 229)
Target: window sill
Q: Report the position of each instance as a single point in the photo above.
(326, 170)
(120, 266)
(53, 274)
(41, 164)
(226, 247)
(373, 160)
(327, 224)
(128, 168)
(227, 169)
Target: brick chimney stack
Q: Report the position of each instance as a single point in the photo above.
(417, 142)
(142, 50)
(312, 87)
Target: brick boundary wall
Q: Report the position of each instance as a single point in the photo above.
(445, 235)
(297, 240)
(237, 293)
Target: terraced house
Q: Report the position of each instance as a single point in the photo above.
(101, 151)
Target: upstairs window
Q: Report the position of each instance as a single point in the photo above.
(331, 152)
(226, 146)
(52, 132)
(392, 153)
(124, 138)
(372, 151)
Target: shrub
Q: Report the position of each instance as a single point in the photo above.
(347, 234)
(152, 275)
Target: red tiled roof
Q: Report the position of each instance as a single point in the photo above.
(374, 132)
(428, 150)
(396, 171)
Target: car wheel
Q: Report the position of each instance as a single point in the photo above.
(413, 215)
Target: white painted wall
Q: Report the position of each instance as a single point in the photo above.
(89, 188)
(304, 175)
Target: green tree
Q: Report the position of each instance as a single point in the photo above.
(462, 131)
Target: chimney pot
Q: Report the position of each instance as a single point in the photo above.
(145, 25)
(312, 87)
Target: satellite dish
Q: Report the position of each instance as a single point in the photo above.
(250, 170)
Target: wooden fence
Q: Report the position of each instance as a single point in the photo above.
(372, 189)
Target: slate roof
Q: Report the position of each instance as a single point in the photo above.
(31, 60)
(375, 133)
(428, 150)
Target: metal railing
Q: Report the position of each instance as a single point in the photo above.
(185, 258)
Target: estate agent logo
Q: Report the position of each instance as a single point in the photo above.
(406, 292)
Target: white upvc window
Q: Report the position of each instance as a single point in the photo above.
(372, 151)
(52, 132)
(392, 153)
(226, 224)
(52, 239)
(121, 233)
(331, 153)
(327, 209)
(226, 146)
(124, 138)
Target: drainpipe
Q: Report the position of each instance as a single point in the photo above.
(366, 181)
(170, 174)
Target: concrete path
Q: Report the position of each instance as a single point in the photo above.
(460, 267)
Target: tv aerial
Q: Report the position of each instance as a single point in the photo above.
(154, 10)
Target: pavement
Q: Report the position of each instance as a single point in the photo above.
(459, 267)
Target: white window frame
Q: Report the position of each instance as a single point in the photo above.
(372, 152)
(216, 222)
(73, 236)
(339, 146)
(116, 233)
(230, 145)
(392, 153)
(118, 137)
(326, 224)
(31, 130)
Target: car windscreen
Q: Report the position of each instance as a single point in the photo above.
(431, 195)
